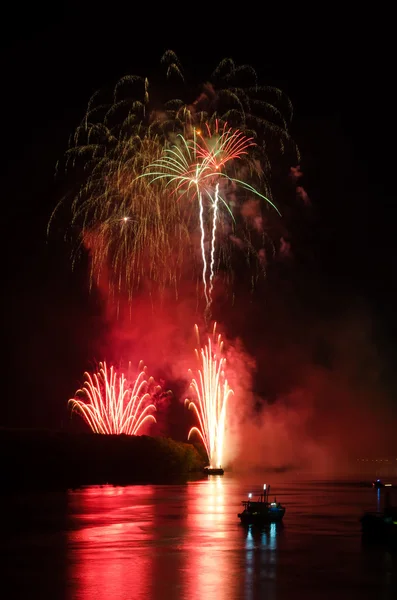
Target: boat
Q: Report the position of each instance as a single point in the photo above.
(213, 471)
(378, 483)
(261, 511)
(381, 526)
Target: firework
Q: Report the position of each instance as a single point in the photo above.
(211, 393)
(216, 149)
(197, 169)
(112, 404)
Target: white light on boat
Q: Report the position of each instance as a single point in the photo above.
(264, 486)
(250, 495)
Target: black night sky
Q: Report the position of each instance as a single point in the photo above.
(339, 77)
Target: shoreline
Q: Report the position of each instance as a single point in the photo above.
(39, 459)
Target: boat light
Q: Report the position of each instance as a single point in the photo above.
(273, 504)
(264, 486)
(388, 485)
(250, 495)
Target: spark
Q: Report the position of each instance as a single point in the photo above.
(220, 148)
(226, 136)
(112, 404)
(196, 169)
(187, 164)
(211, 393)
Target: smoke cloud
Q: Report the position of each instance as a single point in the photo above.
(306, 368)
(310, 401)
(326, 407)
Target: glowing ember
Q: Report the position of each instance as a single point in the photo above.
(211, 391)
(112, 404)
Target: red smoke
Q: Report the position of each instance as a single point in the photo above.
(323, 404)
(331, 407)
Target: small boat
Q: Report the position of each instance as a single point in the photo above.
(213, 471)
(381, 527)
(378, 484)
(260, 511)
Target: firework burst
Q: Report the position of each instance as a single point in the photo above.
(211, 393)
(196, 169)
(113, 404)
(221, 147)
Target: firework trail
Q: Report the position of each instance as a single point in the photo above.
(214, 220)
(112, 404)
(135, 230)
(195, 169)
(202, 245)
(211, 391)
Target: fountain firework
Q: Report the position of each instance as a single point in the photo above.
(113, 404)
(211, 392)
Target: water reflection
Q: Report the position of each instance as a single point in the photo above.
(110, 543)
(211, 503)
(186, 542)
(150, 542)
(169, 560)
(211, 570)
(261, 561)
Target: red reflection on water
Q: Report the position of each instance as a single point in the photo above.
(109, 545)
(210, 567)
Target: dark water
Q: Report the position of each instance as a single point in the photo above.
(185, 541)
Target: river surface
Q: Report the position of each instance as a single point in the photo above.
(185, 541)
